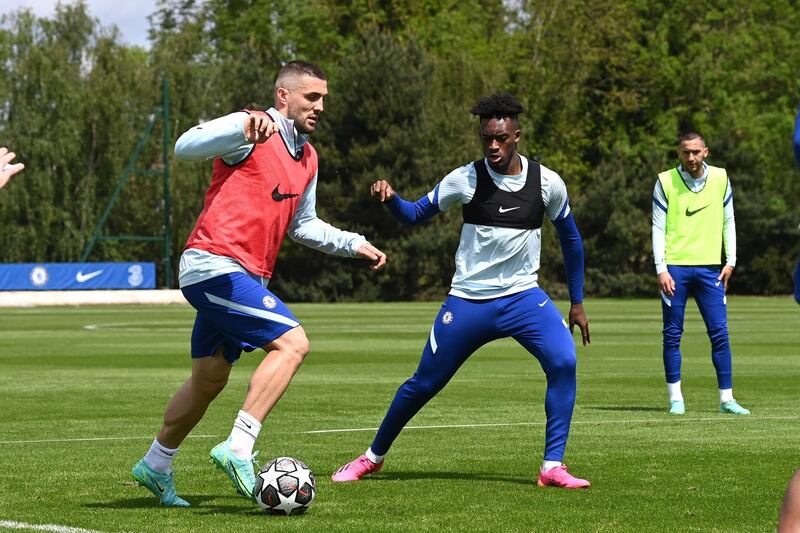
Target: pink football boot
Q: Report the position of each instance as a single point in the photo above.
(355, 470)
(559, 477)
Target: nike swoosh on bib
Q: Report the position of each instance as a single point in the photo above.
(506, 210)
(278, 197)
(690, 213)
(80, 277)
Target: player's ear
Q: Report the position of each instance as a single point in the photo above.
(281, 94)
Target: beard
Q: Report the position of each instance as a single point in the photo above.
(300, 122)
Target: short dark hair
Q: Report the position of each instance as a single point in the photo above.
(300, 68)
(691, 136)
(497, 106)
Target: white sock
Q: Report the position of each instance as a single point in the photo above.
(548, 465)
(725, 395)
(159, 457)
(373, 457)
(244, 434)
(674, 390)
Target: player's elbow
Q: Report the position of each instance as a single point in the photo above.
(571, 243)
(300, 236)
(184, 153)
(185, 149)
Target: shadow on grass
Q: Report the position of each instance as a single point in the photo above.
(415, 475)
(202, 504)
(634, 408)
(245, 510)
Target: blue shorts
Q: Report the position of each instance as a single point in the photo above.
(797, 282)
(235, 312)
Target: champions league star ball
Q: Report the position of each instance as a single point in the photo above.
(285, 486)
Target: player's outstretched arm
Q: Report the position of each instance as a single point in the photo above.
(6, 169)
(381, 190)
(406, 212)
(258, 127)
(309, 230)
(230, 137)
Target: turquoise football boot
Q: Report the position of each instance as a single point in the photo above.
(733, 407)
(239, 471)
(159, 483)
(676, 407)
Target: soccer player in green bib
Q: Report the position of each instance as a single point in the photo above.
(692, 219)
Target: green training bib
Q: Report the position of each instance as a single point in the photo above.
(694, 219)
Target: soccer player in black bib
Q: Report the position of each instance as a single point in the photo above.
(494, 293)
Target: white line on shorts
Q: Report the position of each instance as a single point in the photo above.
(574, 422)
(11, 524)
(93, 439)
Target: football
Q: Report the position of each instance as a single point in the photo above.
(285, 486)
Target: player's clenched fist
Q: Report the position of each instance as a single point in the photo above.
(258, 128)
(382, 191)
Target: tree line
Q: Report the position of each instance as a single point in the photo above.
(608, 86)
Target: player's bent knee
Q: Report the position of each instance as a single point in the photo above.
(422, 388)
(299, 345)
(210, 375)
(564, 364)
(209, 385)
(294, 343)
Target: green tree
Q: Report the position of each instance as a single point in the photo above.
(72, 92)
(608, 87)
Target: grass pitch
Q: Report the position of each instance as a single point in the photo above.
(83, 390)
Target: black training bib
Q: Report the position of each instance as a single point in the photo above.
(491, 206)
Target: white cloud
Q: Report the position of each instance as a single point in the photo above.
(129, 17)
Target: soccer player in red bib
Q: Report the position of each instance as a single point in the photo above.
(263, 188)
